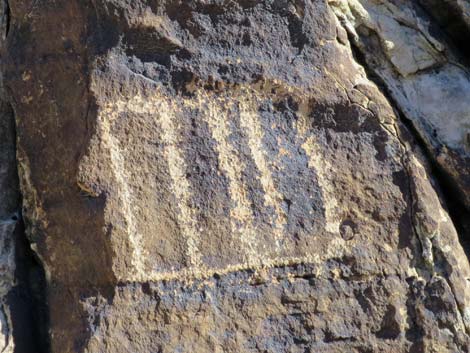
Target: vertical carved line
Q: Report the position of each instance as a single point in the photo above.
(180, 184)
(250, 123)
(322, 167)
(241, 215)
(123, 192)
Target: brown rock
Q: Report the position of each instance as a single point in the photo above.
(222, 176)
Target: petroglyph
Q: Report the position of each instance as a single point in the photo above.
(165, 117)
(336, 249)
(250, 123)
(123, 192)
(181, 187)
(231, 164)
(320, 164)
(221, 114)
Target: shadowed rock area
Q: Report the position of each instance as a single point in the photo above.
(241, 176)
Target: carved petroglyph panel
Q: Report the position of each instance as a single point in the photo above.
(188, 174)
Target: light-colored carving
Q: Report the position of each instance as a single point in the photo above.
(218, 111)
(250, 123)
(164, 114)
(232, 166)
(123, 193)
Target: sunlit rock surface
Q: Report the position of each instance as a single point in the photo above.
(235, 176)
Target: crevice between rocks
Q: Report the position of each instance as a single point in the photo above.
(451, 20)
(27, 300)
(448, 192)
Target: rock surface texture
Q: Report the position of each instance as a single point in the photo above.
(236, 176)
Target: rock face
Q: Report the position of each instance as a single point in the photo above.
(20, 304)
(427, 79)
(236, 176)
(9, 205)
